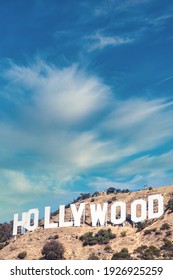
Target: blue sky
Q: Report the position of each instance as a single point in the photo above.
(86, 99)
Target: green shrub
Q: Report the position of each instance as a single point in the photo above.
(87, 235)
(140, 226)
(22, 255)
(140, 249)
(125, 191)
(170, 205)
(2, 246)
(5, 231)
(53, 250)
(88, 239)
(165, 226)
(148, 231)
(103, 240)
(90, 242)
(167, 255)
(122, 255)
(56, 236)
(123, 233)
(67, 206)
(95, 194)
(167, 246)
(168, 233)
(158, 233)
(101, 237)
(147, 253)
(155, 251)
(108, 248)
(93, 257)
(110, 190)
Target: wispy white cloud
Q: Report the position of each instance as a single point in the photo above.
(148, 164)
(60, 95)
(57, 109)
(19, 191)
(102, 184)
(99, 41)
(133, 26)
(161, 20)
(142, 124)
(123, 5)
(153, 170)
(48, 135)
(69, 123)
(110, 6)
(163, 80)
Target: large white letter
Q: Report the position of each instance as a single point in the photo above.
(143, 216)
(98, 214)
(151, 198)
(122, 218)
(17, 223)
(47, 223)
(62, 223)
(77, 213)
(34, 212)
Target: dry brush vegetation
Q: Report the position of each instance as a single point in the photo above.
(152, 239)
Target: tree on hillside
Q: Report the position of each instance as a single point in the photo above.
(5, 231)
(53, 250)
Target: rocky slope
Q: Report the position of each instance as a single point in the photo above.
(156, 232)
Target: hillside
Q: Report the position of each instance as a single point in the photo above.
(156, 232)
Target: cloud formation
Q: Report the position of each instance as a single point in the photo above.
(99, 41)
(66, 124)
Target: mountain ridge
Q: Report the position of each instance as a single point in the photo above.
(127, 236)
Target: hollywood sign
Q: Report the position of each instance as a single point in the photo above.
(98, 213)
